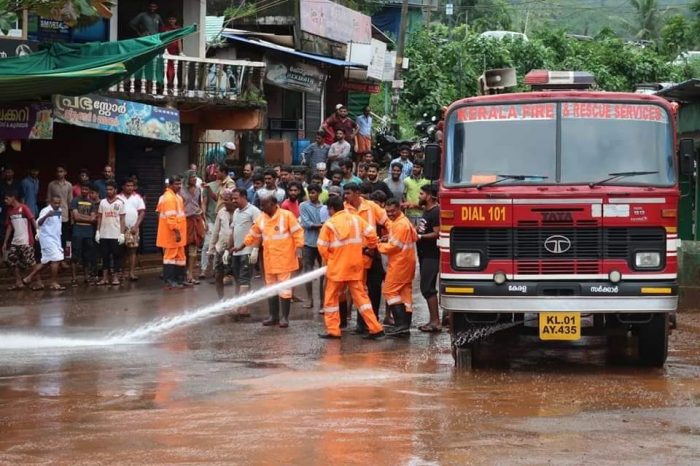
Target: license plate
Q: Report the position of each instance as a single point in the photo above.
(560, 325)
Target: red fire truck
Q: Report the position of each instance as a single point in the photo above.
(559, 215)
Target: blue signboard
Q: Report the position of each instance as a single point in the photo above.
(118, 116)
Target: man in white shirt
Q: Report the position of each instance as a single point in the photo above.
(134, 212)
(50, 221)
(338, 151)
(199, 181)
(109, 235)
(270, 187)
(221, 240)
(243, 219)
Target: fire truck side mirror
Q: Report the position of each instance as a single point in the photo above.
(432, 161)
(687, 156)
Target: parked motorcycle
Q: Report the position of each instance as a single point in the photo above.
(386, 145)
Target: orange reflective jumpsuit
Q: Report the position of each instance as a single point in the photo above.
(401, 249)
(371, 213)
(171, 217)
(281, 236)
(340, 243)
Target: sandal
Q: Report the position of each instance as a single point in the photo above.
(308, 306)
(116, 282)
(430, 328)
(57, 288)
(15, 288)
(37, 287)
(102, 283)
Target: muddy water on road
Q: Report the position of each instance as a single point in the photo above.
(236, 393)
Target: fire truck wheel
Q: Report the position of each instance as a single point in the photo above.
(653, 340)
(617, 340)
(463, 357)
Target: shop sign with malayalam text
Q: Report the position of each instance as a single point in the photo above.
(26, 121)
(118, 116)
(295, 76)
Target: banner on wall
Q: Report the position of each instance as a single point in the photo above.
(295, 76)
(336, 22)
(118, 116)
(26, 121)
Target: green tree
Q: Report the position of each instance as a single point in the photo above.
(646, 21)
(675, 35)
(444, 70)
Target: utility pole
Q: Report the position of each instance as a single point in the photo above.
(397, 85)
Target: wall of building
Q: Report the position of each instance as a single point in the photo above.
(72, 146)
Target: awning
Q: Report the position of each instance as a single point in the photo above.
(77, 69)
(687, 91)
(290, 51)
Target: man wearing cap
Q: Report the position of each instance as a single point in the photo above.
(230, 150)
(316, 153)
(322, 171)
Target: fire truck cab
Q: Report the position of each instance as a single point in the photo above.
(559, 216)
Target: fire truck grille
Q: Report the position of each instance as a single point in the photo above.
(567, 249)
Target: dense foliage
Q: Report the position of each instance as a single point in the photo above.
(446, 65)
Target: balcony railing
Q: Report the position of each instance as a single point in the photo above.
(186, 77)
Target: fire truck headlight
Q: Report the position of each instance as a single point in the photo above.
(499, 278)
(647, 260)
(468, 260)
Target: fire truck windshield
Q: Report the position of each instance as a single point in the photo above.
(566, 142)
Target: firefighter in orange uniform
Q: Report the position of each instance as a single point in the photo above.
(373, 273)
(282, 240)
(341, 242)
(172, 232)
(400, 247)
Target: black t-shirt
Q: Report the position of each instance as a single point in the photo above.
(84, 207)
(379, 185)
(428, 248)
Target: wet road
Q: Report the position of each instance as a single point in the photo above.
(226, 392)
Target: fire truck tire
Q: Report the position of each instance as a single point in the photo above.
(653, 340)
(463, 357)
(617, 341)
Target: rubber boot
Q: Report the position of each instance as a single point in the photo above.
(170, 276)
(343, 305)
(274, 305)
(286, 305)
(361, 327)
(403, 321)
(167, 278)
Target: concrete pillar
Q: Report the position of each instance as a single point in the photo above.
(194, 12)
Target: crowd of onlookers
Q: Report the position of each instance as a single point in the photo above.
(94, 225)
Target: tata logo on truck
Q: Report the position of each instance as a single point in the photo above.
(557, 244)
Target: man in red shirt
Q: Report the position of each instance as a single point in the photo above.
(295, 195)
(340, 120)
(18, 243)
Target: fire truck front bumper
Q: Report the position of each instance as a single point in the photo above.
(589, 297)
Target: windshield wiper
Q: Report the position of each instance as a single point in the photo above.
(510, 177)
(614, 176)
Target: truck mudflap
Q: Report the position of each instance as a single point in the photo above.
(589, 297)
